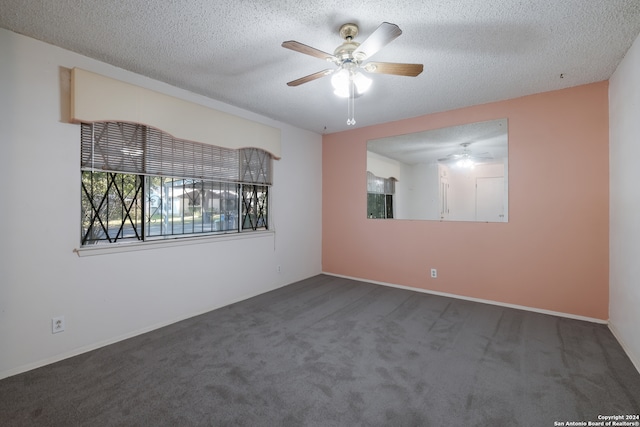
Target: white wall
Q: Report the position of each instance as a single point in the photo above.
(403, 199)
(109, 297)
(462, 189)
(425, 200)
(624, 210)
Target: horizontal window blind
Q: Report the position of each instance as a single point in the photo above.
(139, 149)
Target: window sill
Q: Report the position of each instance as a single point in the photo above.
(167, 243)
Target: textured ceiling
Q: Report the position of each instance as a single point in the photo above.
(473, 51)
(489, 138)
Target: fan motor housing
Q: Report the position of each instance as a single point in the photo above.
(344, 52)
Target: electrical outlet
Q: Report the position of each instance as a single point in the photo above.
(279, 269)
(434, 273)
(57, 324)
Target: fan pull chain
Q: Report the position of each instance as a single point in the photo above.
(351, 104)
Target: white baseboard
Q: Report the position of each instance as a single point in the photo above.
(484, 301)
(94, 346)
(616, 334)
(635, 360)
(104, 343)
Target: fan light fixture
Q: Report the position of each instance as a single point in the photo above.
(466, 159)
(466, 163)
(347, 81)
(341, 82)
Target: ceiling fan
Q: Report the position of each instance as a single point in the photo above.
(351, 57)
(465, 158)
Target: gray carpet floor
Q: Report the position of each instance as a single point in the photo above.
(328, 351)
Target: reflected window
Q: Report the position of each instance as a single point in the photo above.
(380, 195)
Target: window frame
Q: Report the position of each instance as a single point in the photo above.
(252, 165)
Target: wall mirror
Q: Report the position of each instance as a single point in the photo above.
(457, 173)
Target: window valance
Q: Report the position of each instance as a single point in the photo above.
(96, 98)
(382, 166)
(379, 185)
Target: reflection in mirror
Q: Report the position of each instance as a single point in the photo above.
(457, 173)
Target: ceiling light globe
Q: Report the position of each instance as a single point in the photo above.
(341, 81)
(465, 163)
(362, 82)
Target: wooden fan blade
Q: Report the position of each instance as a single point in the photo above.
(308, 50)
(310, 77)
(382, 36)
(395, 68)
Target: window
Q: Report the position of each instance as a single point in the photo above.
(140, 184)
(380, 193)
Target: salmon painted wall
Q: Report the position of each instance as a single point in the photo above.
(553, 252)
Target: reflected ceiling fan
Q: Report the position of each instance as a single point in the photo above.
(465, 158)
(351, 57)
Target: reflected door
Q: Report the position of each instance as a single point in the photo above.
(444, 197)
(490, 199)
